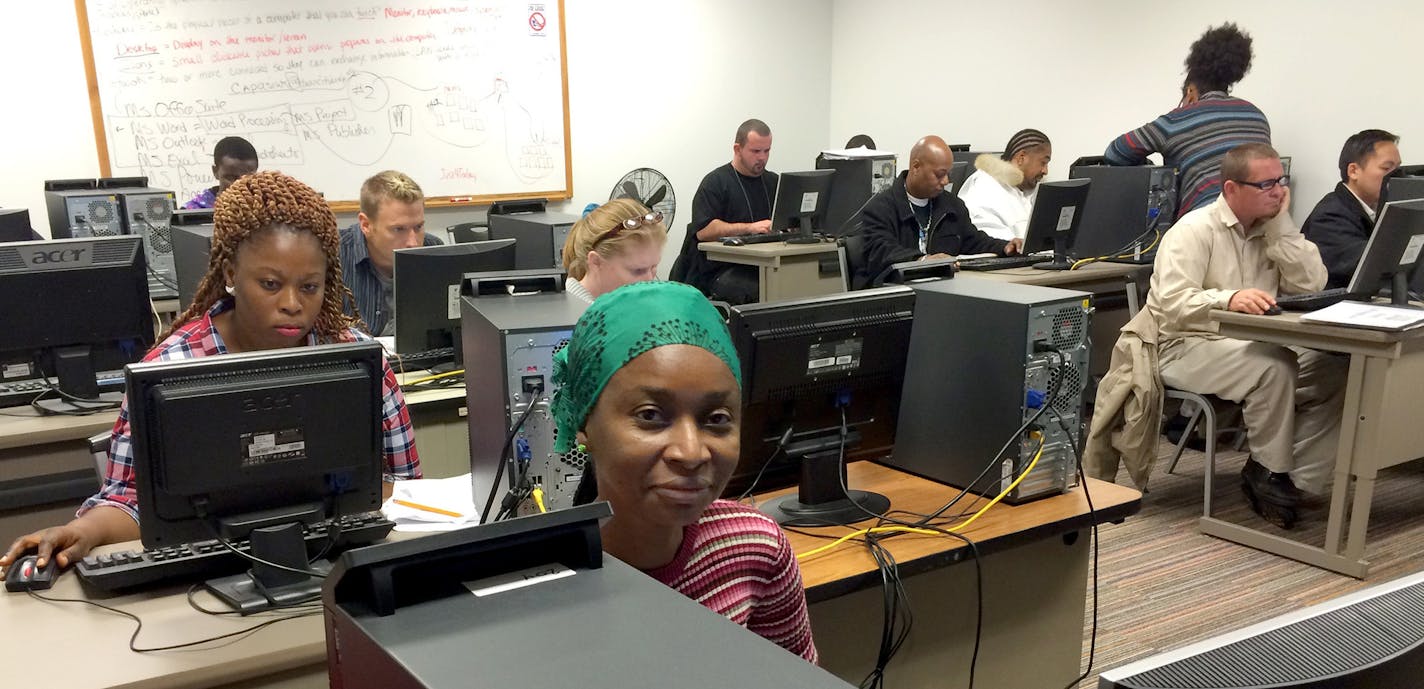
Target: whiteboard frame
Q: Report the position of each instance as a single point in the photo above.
(101, 141)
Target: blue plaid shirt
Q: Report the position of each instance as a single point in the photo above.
(361, 278)
(199, 338)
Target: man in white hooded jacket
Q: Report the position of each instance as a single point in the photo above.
(1001, 192)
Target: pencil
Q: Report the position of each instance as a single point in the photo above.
(426, 508)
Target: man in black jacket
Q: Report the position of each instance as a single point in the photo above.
(916, 219)
(1342, 222)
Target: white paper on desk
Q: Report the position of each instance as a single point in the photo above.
(452, 494)
(1356, 314)
(860, 152)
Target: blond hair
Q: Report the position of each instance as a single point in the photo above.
(391, 184)
(586, 233)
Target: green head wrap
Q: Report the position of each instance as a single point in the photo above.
(619, 326)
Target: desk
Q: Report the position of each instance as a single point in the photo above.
(785, 271)
(1035, 564)
(1102, 279)
(1379, 429)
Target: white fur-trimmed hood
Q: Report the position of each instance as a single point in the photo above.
(1005, 172)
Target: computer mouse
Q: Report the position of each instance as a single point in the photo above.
(733, 241)
(23, 575)
(1275, 310)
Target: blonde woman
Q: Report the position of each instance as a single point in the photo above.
(616, 244)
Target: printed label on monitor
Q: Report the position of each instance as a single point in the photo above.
(452, 305)
(16, 371)
(831, 357)
(1411, 250)
(266, 447)
(1065, 218)
(808, 201)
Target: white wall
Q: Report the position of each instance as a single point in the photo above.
(1087, 72)
(652, 83)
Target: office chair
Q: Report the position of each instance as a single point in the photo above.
(467, 232)
(861, 140)
(852, 255)
(99, 450)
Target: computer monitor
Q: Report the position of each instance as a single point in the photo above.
(73, 308)
(253, 446)
(959, 171)
(800, 205)
(1057, 214)
(821, 380)
(15, 225)
(427, 289)
(1391, 254)
(1406, 183)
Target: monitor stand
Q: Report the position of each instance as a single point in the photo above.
(1399, 289)
(78, 384)
(819, 500)
(262, 587)
(803, 236)
(1060, 258)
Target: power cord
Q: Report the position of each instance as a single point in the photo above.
(133, 639)
(780, 446)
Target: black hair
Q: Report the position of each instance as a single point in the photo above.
(234, 147)
(1219, 59)
(1359, 147)
(752, 125)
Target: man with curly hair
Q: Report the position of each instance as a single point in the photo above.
(1207, 122)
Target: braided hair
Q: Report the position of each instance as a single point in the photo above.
(266, 201)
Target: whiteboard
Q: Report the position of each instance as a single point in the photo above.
(469, 98)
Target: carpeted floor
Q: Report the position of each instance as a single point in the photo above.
(1164, 585)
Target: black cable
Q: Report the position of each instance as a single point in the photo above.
(139, 622)
(785, 438)
(203, 517)
(504, 453)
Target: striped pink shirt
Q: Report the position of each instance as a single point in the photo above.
(737, 562)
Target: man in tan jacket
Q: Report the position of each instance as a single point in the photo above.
(1237, 253)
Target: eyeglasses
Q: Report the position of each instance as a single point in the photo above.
(633, 223)
(1267, 184)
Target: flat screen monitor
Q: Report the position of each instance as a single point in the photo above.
(1392, 253)
(73, 308)
(800, 205)
(192, 251)
(15, 225)
(253, 446)
(821, 380)
(959, 171)
(1406, 183)
(1053, 224)
(427, 289)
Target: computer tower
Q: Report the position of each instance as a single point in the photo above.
(509, 344)
(192, 245)
(75, 213)
(984, 357)
(1124, 204)
(539, 237)
(148, 213)
(855, 181)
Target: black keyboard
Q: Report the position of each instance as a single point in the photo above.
(430, 358)
(209, 559)
(743, 239)
(1002, 262)
(22, 392)
(1311, 300)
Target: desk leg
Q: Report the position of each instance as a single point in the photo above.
(1033, 608)
(1344, 456)
(1366, 458)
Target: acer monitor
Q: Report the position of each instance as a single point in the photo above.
(427, 289)
(255, 446)
(75, 311)
(799, 207)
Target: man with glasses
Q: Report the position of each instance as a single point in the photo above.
(1238, 253)
(1342, 222)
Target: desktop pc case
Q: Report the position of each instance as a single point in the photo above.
(509, 344)
(148, 213)
(77, 213)
(856, 180)
(982, 359)
(539, 237)
(1123, 204)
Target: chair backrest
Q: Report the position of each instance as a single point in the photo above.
(99, 449)
(679, 266)
(852, 257)
(467, 232)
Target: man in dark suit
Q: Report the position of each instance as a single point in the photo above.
(1342, 222)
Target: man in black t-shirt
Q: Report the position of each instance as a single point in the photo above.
(734, 199)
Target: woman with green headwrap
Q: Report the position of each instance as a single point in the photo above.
(651, 388)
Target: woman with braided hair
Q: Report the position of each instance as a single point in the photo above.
(274, 281)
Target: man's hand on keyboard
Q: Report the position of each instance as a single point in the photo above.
(759, 227)
(1015, 246)
(1252, 301)
(933, 257)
